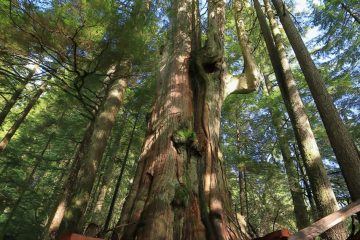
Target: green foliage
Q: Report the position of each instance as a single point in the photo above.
(73, 43)
(184, 136)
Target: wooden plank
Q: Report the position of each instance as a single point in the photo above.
(327, 222)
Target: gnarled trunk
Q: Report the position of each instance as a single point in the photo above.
(179, 190)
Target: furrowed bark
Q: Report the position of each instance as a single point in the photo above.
(179, 190)
(324, 196)
(341, 141)
(151, 209)
(10, 133)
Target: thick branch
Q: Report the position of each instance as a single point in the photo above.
(250, 79)
(239, 84)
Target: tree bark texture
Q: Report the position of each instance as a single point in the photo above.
(305, 181)
(108, 171)
(10, 133)
(341, 141)
(300, 209)
(179, 190)
(104, 122)
(324, 196)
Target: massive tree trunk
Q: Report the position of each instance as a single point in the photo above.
(14, 97)
(179, 190)
(324, 196)
(340, 139)
(300, 209)
(90, 163)
(10, 133)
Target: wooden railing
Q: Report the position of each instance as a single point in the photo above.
(307, 233)
(318, 227)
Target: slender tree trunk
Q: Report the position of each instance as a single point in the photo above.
(119, 179)
(14, 97)
(58, 212)
(104, 122)
(109, 169)
(324, 196)
(353, 14)
(50, 203)
(300, 209)
(241, 170)
(94, 211)
(179, 190)
(242, 192)
(343, 145)
(306, 183)
(5, 141)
